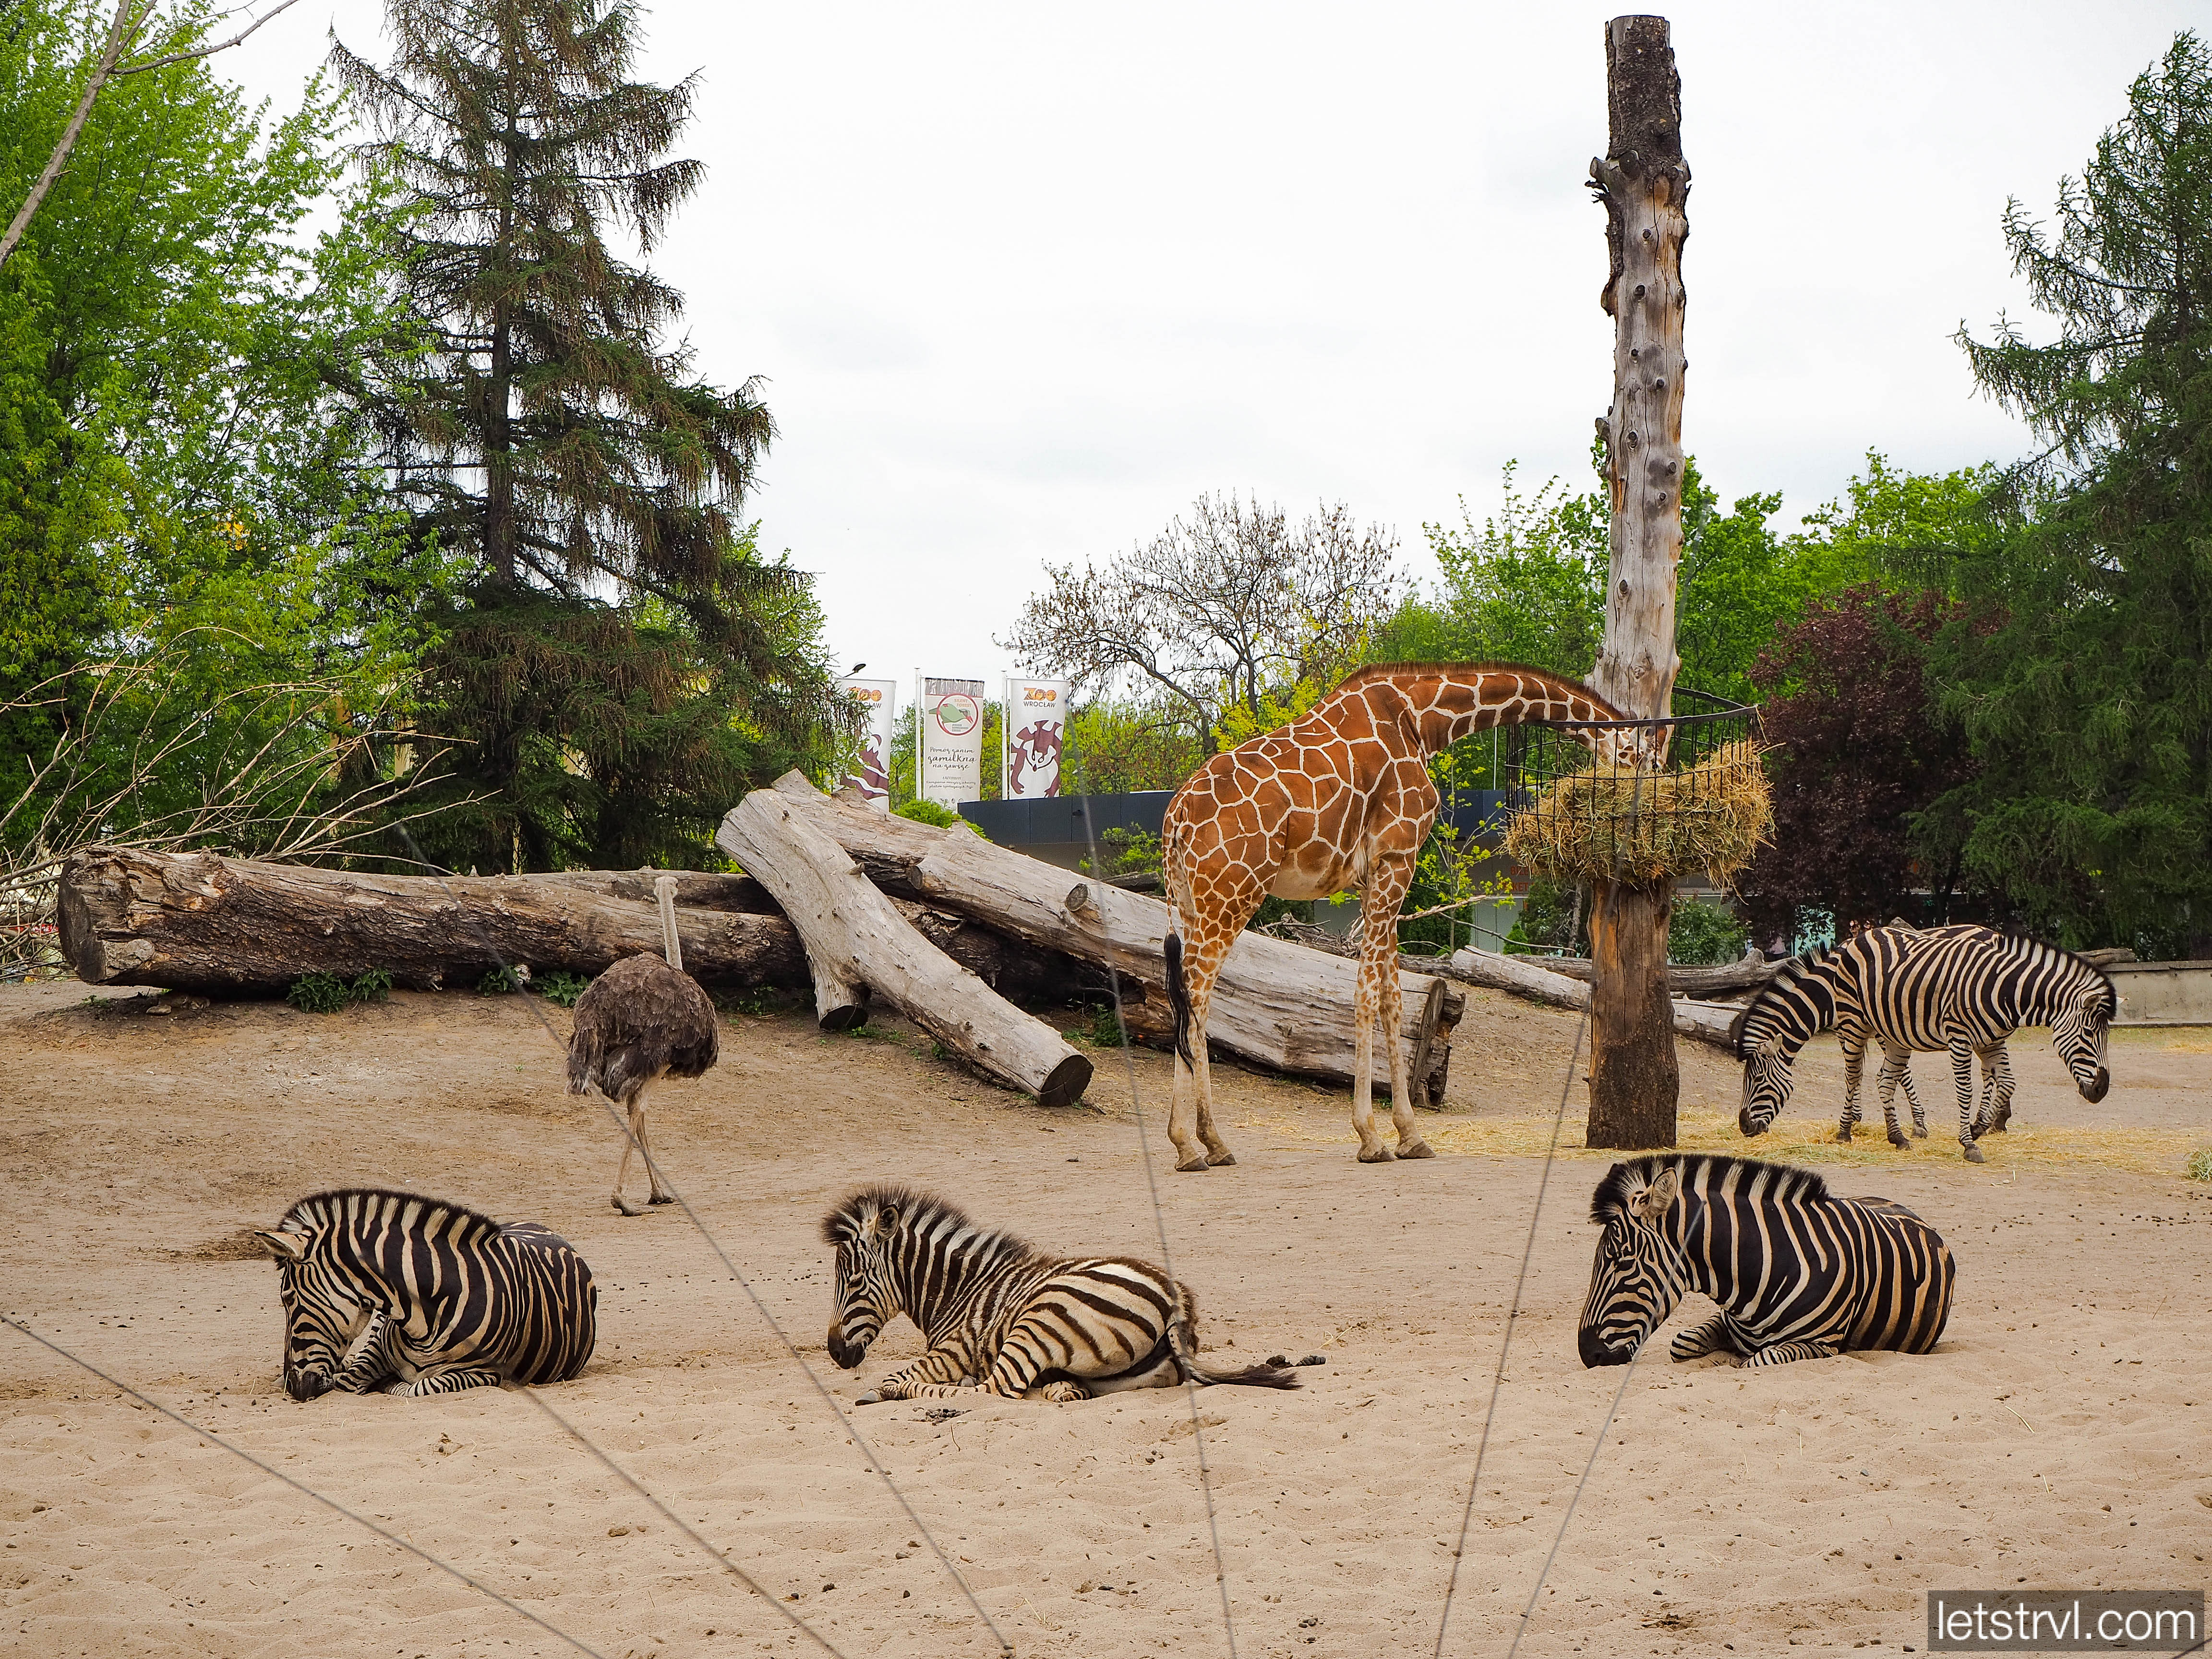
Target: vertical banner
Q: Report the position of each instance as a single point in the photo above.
(951, 759)
(1034, 727)
(873, 780)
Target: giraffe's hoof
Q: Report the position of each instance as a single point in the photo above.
(1377, 1155)
(1897, 1140)
(1219, 1158)
(662, 1198)
(625, 1207)
(1416, 1149)
(1973, 1153)
(1196, 1161)
(1844, 1133)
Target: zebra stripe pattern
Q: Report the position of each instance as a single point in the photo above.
(393, 1290)
(1963, 990)
(1799, 1273)
(1003, 1318)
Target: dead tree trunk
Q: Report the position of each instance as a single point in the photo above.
(1635, 1080)
(193, 921)
(1285, 1006)
(856, 941)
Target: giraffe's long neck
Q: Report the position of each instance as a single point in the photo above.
(1450, 701)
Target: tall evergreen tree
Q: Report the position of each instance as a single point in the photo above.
(626, 661)
(2090, 706)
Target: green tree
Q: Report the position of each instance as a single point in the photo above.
(625, 659)
(2088, 700)
(178, 478)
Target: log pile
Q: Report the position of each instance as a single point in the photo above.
(855, 906)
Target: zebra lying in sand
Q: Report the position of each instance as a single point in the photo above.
(991, 1306)
(427, 1297)
(1799, 1273)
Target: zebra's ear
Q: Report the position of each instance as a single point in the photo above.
(282, 1246)
(1655, 1199)
(886, 1221)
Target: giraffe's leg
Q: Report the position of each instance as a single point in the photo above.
(1853, 1043)
(1365, 994)
(1962, 1076)
(1207, 922)
(629, 1146)
(1379, 959)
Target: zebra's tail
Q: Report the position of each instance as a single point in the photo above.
(1178, 997)
(1182, 1340)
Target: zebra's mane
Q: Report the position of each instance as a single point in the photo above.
(1624, 1180)
(1794, 971)
(916, 1210)
(321, 1208)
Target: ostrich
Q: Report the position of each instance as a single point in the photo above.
(641, 1020)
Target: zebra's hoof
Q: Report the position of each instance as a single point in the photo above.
(1973, 1153)
(1192, 1165)
(873, 1397)
(1897, 1140)
(1379, 1155)
(1417, 1149)
(1920, 1132)
(1998, 1127)
(1844, 1133)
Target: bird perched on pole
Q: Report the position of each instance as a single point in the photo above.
(641, 1020)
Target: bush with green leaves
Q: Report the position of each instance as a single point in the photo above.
(563, 988)
(374, 985)
(1704, 935)
(318, 994)
(936, 814)
(499, 982)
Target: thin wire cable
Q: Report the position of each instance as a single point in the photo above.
(1512, 1315)
(680, 1524)
(1167, 1264)
(875, 1463)
(1627, 1371)
(389, 1537)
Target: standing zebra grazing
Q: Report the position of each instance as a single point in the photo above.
(1799, 1273)
(429, 1297)
(1965, 989)
(991, 1306)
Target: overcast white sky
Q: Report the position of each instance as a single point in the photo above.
(1025, 280)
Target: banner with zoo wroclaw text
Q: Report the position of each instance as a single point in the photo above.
(1034, 727)
(871, 775)
(952, 741)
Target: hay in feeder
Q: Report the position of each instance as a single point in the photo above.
(1635, 824)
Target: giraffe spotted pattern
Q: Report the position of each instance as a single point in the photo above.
(1340, 798)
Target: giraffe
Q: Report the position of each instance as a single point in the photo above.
(1339, 797)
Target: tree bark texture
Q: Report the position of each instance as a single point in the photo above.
(857, 942)
(194, 922)
(1636, 1080)
(1644, 184)
(1280, 1005)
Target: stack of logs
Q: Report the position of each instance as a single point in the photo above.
(940, 924)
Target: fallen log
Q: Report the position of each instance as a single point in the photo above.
(1517, 975)
(857, 942)
(195, 921)
(1747, 975)
(1282, 1005)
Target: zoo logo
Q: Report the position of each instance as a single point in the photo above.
(956, 714)
(1040, 694)
(864, 693)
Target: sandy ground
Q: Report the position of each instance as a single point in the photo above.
(2062, 1435)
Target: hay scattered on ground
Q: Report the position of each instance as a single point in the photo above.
(2143, 1152)
(1650, 826)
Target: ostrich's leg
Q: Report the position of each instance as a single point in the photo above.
(631, 1143)
(659, 1193)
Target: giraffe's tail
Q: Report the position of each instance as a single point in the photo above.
(1178, 998)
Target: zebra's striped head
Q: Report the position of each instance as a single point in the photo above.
(1635, 1280)
(865, 1232)
(2079, 1028)
(324, 1310)
(1766, 1036)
